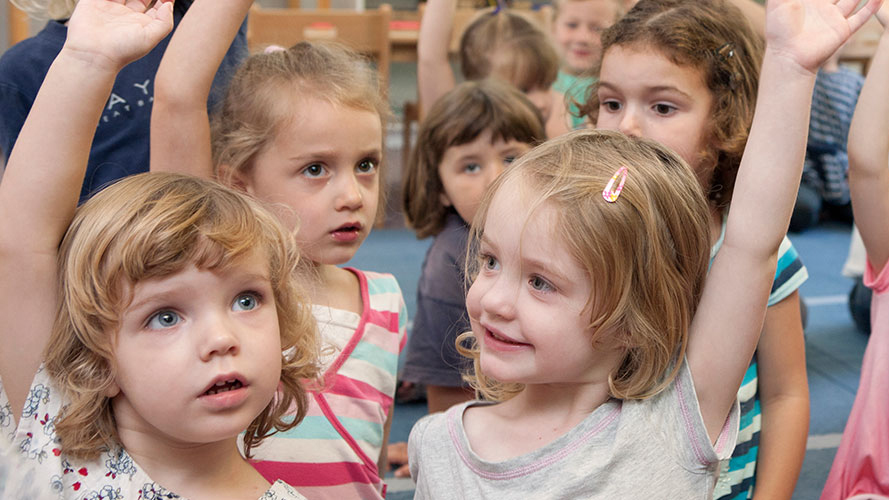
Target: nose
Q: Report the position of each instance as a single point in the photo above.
(349, 195)
(220, 339)
(498, 299)
(629, 123)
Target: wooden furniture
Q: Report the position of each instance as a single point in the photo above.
(19, 26)
(859, 50)
(365, 32)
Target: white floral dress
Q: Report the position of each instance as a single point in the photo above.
(112, 476)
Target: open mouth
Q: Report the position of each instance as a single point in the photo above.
(505, 340)
(224, 386)
(348, 229)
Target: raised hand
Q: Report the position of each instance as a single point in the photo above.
(883, 15)
(113, 33)
(807, 32)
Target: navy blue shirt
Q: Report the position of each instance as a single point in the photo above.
(121, 143)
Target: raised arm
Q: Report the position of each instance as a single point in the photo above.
(869, 154)
(42, 181)
(800, 36)
(435, 77)
(180, 126)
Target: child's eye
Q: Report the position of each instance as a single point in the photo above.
(314, 170)
(507, 160)
(664, 109)
(163, 319)
(472, 168)
(540, 284)
(571, 25)
(489, 262)
(366, 166)
(246, 302)
(610, 106)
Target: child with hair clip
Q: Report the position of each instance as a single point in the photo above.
(861, 466)
(497, 43)
(577, 30)
(686, 74)
(174, 302)
(466, 141)
(120, 146)
(604, 352)
(301, 130)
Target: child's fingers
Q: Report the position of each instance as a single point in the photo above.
(858, 19)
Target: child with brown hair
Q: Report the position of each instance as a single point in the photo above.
(497, 43)
(606, 349)
(686, 74)
(301, 130)
(160, 319)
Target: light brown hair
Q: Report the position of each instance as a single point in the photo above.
(504, 44)
(266, 90)
(713, 37)
(459, 117)
(646, 254)
(46, 9)
(153, 226)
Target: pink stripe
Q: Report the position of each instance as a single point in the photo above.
(384, 339)
(689, 429)
(350, 387)
(369, 463)
(530, 468)
(359, 330)
(360, 409)
(299, 474)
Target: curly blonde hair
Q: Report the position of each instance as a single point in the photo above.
(152, 226)
(647, 253)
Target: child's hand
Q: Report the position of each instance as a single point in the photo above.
(883, 15)
(113, 33)
(807, 32)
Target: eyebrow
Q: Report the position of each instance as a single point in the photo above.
(658, 88)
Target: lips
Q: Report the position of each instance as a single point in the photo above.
(225, 383)
(496, 340)
(348, 232)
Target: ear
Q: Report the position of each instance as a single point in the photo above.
(235, 178)
(443, 198)
(112, 390)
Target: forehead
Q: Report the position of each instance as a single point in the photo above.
(643, 66)
(600, 10)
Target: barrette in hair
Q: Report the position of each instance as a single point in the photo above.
(610, 193)
(273, 48)
(726, 50)
(499, 5)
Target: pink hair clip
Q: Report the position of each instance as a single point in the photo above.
(610, 193)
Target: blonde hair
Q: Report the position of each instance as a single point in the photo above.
(504, 44)
(459, 117)
(46, 9)
(152, 226)
(646, 254)
(252, 112)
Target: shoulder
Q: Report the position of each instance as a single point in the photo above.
(790, 272)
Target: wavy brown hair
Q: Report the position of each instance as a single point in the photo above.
(713, 37)
(459, 117)
(646, 254)
(153, 226)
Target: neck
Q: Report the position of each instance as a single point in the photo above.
(562, 405)
(335, 287)
(195, 471)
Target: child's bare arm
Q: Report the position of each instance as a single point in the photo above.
(42, 181)
(180, 125)
(435, 77)
(869, 154)
(784, 398)
(800, 35)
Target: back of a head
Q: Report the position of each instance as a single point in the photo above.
(713, 37)
(152, 226)
(459, 117)
(46, 9)
(508, 46)
(267, 89)
(646, 253)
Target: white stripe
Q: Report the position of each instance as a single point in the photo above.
(399, 484)
(826, 300)
(823, 441)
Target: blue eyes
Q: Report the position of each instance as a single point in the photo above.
(246, 302)
(163, 319)
(167, 318)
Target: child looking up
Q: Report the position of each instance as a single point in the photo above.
(861, 466)
(497, 43)
(577, 30)
(173, 298)
(606, 352)
(686, 75)
(301, 130)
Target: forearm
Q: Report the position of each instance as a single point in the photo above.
(782, 446)
(868, 148)
(434, 74)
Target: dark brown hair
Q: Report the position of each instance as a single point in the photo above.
(459, 117)
(713, 37)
